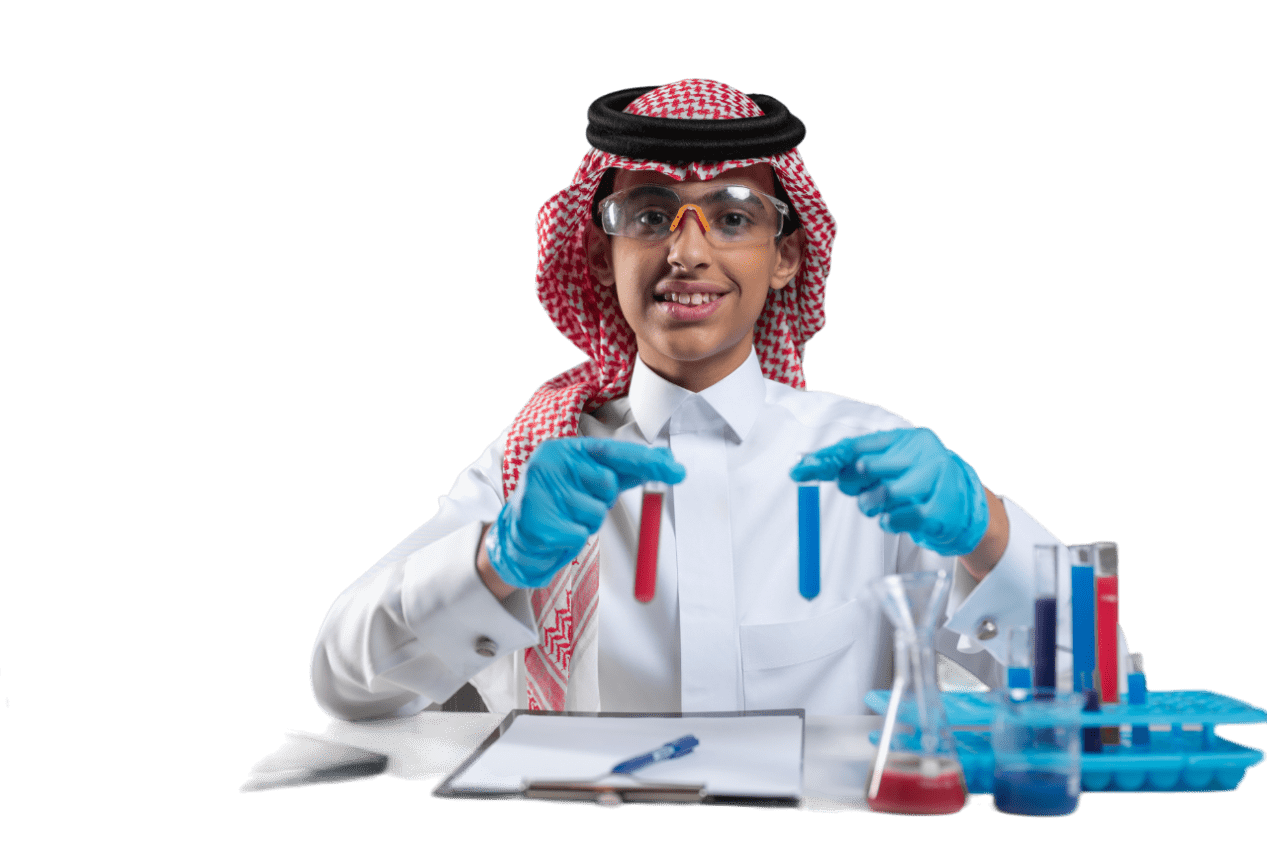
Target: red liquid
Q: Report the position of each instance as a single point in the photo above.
(904, 790)
(1106, 642)
(648, 546)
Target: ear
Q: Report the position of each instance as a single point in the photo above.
(598, 255)
(789, 259)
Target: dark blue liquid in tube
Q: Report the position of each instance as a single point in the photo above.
(807, 534)
(1044, 645)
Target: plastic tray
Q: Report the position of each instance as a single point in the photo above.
(1190, 758)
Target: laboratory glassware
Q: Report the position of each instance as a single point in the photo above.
(807, 517)
(916, 769)
(1037, 761)
(1104, 558)
(649, 540)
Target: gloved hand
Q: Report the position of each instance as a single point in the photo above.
(912, 482)
(567, 487)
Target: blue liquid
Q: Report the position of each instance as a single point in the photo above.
(1032, 793)
(1045, 643)
(1137, 694)
(1091, 742)
(1083, 625)
(807, 523)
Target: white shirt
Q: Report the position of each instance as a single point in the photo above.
(727, 629)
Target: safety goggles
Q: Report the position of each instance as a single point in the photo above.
(730, 214)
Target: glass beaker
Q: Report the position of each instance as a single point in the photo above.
(916, 769)
(1037, 757)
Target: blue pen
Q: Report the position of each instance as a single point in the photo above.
(668, 751)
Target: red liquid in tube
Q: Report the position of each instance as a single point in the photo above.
(648, 546)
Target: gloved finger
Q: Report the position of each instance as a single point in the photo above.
(911, 448)
(915, 486)
(830, 462)
(874, 500)
(851, 482)
(634, 464)
(597, 481)
(905, 518)
(586, 512)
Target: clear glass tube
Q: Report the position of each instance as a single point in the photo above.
(807, 533)
(1104, 559)
(649, 540)
(1082, 621)
(1046, 605)
(1020, 660)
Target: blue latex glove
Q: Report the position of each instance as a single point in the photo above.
(567, 487)
(912, 482)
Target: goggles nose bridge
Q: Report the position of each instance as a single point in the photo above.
(699, 215)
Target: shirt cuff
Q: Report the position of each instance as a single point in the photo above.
(460, 626)
(1005, 597)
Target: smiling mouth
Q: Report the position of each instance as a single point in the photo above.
(691, 299)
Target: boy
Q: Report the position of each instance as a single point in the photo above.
(687, 260)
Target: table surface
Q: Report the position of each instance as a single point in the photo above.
(430, 745)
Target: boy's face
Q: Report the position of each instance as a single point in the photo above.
(693, 345)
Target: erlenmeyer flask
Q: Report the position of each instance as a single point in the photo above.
(916, 769)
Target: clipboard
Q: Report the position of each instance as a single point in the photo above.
(744, 757)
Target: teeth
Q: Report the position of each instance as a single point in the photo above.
(693, 300)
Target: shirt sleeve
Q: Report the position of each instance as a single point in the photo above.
(420, 623)
(1004, 600)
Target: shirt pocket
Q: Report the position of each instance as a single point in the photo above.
(807, 663)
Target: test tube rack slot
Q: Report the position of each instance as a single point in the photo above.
(1185, 755)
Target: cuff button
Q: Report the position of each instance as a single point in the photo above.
(987, 630)
(486, 646)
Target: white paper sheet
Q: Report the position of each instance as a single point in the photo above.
(754, 756)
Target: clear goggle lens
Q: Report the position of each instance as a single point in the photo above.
(728, 213)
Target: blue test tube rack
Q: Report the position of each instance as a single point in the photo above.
(1186, 756)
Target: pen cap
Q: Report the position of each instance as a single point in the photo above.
(1104, 555)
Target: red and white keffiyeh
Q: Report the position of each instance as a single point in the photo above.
(588, 314)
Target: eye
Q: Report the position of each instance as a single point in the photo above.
(734, 219)
(652, 218)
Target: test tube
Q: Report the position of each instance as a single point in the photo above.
(1020, 659)
(649, 540)
(1137, 694)
(1046, 575)
(1082, 580)
(807, 494)
(1104, 556)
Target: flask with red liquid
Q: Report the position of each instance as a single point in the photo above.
(916, 769)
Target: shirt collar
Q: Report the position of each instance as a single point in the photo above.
(737, 398)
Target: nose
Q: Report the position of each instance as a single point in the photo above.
(689, 248)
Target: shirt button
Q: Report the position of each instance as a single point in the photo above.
(486, 646)
(987, 630)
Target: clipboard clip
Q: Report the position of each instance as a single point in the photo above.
(614, 794)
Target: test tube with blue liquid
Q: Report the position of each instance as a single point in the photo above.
(807, 535)
(1046, 603)
(1082, 633)
(1137, 694)
(1020, 661)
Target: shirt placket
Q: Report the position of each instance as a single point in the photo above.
(705, 562)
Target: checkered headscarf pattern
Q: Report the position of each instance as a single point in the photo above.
(589, 315)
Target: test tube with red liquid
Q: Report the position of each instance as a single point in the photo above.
(1106, 609)
(649, 540)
